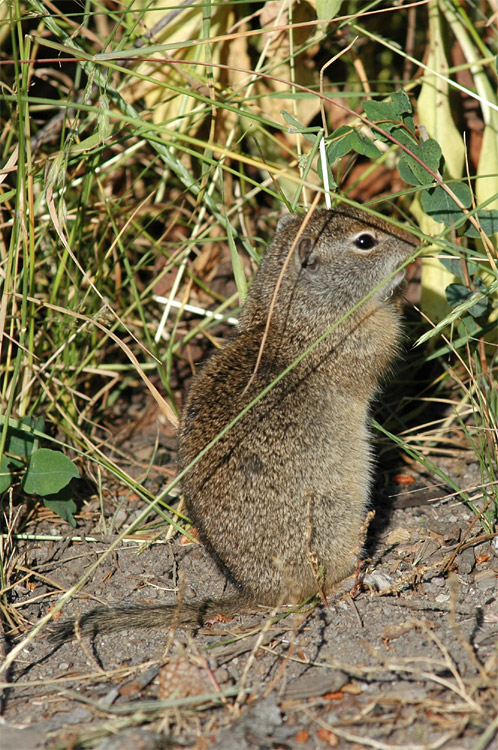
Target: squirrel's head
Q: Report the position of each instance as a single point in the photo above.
(347, 252)
(338, 259)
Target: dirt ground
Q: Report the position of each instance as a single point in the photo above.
(407, 661)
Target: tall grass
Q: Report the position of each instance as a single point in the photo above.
(145, 152)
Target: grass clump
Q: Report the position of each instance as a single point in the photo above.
(148, 153)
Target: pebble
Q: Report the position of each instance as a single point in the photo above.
(438, 581)
(440, 598)
(466, 560)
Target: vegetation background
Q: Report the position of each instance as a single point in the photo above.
(148, 150)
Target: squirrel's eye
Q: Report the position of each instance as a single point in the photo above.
(365, 241)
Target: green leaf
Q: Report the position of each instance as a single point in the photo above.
(364, 146)
(290, 120)
(21, 442)
(104, 124)
(339, 143)
(62, 503)
(458, 293)
(479, 284)
(296, 127)
(457, 313)
(5, 475)
(346, 139)
(327, 9)
(467, 327)
(394, 117)
(403, 108)
(454, 265)
(380, 111)
(87, 144)
(435, 110)
(16, 463)
(488, 221)
(238, 268)
(48, 472)
(7, 195)
(402, 104)
(441, 207)
(429, 152)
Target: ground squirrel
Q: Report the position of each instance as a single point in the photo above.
(280, 500)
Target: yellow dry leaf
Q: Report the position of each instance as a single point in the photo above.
(181, 30)
(487, 169)
(435, 115)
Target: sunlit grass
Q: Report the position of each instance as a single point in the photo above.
(138, 166)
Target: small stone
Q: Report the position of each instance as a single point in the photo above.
(482, 575)
(222, 675)
(398, 536)
(487, 584)
(120, 518)
(378, 581)
(485, 579)
(438, 581)
(441, 598)
(466, 561)
(181, 677)
(14, 738)
(429, 548)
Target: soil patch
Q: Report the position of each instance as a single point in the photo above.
(408, 659)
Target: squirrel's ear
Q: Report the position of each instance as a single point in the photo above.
(303, 250)
(305, 256)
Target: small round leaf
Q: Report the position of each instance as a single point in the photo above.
(48, 472)
(5, 475)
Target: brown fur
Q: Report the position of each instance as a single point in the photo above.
(279, 501)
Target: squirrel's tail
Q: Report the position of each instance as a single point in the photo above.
(124, 616)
